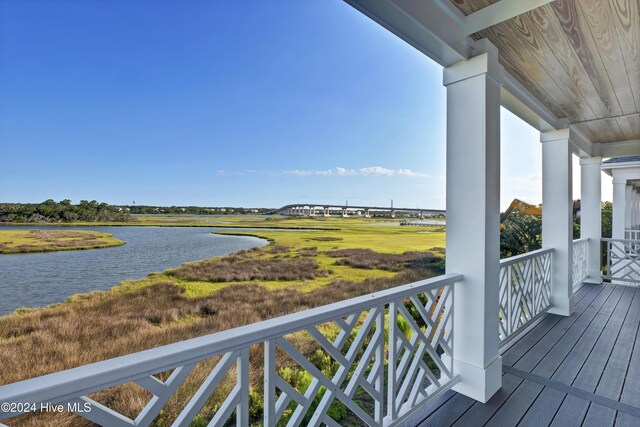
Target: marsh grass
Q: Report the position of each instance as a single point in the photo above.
(297, 271)
(104, 325)
(26, 241)
(243, 267)
(368, 259)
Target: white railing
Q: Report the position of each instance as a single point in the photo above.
(630, 234)
(623, 261)
(580, 260)
(525, 288)
(401, 338)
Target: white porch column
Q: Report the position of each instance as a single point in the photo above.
(590, 215)
(619, 206)
(557, 216)
(634, 208)
(634, 224)
(628, 197)
(632, 215)
(473, 235)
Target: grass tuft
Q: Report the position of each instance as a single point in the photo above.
(243, 267)
(368, 259)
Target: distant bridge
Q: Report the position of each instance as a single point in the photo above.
(327, 210)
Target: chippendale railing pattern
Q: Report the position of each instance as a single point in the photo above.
(525, 287)
(623, 261)
(632, 234)
(390, 352)
(580, 255)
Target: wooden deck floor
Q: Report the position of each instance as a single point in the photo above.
(567, 371)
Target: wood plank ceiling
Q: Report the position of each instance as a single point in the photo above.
(579, 57)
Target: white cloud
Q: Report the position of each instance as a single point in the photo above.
(368, 171)
(322, 172)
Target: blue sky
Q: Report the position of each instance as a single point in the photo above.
(252, 103)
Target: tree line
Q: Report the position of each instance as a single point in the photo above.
(193, 210)
(523, 233)
(51, 211)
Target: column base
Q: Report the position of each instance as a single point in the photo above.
(476, 382)
(594, 277)
(561, 306)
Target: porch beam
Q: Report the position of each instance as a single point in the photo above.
(617, 149)
(499, 12)
(582, 145)
(557, 216)
(473, 235)
(428, 26)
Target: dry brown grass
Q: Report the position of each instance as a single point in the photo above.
(366, 258)
(109, 324)
(242, 267)
(276, 249)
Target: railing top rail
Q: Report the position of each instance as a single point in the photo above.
(607, 239)
(580, 240)
(64, 385)
(523, 257)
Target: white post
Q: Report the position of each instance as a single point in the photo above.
(628, 197)
(590, 215)
(473, 235)
(619, 206)
(557, 216)
(634, 209)
(634, 225)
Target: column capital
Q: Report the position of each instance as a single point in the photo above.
(595, 160)
(619, 179)
(485, 62)
(555, 135)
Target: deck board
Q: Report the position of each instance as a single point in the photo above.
(571, 412)
(599, 415)
(595, 320)
(591, 371)
(515, 408)
(626, 420)
(631, 388)
(614, 374)
(543, 410)
(448, 413)
(581, 370)
(570, 367)
(480, 413)
(545, 345)
(524, 344)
